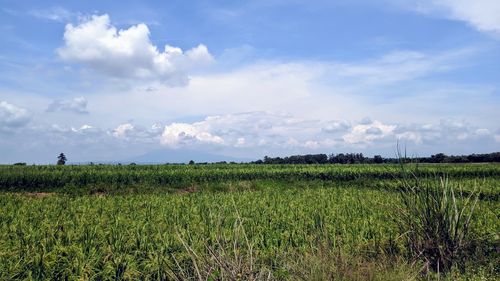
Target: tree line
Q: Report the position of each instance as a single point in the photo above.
(359, 158)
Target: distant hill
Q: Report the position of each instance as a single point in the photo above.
(163, 156)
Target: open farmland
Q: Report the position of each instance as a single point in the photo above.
(227, 221)
(66, 178)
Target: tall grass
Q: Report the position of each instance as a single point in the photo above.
(223, 258)
(434, 218)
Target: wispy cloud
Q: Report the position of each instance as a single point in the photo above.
(481, 14)
(58, 14)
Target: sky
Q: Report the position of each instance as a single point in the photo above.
(115, 80)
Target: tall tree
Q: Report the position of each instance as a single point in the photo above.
(61, 159)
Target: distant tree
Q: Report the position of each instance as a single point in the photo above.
(61, 159)
(20, 164)
(267, 160)
(359, 158)
(438, 158)
(378, 159)
(191, 162)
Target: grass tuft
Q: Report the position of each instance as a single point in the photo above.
(435, 219)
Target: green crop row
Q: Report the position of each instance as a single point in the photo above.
(36, 178)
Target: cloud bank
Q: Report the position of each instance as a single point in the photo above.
(249, 134)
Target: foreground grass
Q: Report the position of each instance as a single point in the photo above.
(273, 230)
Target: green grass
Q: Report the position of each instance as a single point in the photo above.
(259, 228)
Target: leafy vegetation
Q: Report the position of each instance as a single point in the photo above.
(46, 178)
(243, 222)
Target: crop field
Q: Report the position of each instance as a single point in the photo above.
(232, 222)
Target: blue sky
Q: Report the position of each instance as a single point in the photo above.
(112, 80)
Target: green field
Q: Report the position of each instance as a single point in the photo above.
(230, 222)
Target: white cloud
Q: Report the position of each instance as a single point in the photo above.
(76, 105)
(123, 130)
(313, 106)
(318, 90)
(177, 134)
(129, 132)
(12, 116)
(446, 131)
(368, 133)
(323, 90)
(248, 129)
(481, 14)
(128, 53)
(253, 135)
(84, 127)
(268, 131)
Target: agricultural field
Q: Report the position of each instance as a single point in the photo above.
(239, 222)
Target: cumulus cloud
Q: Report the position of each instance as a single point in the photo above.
(235, 130)
(368, 133)
(258, 129)
(128, 53)
(481, 14)
(76, 105)
(123, 130)
(137, 133)
(446, 131)
(184, 134)
(12, 117)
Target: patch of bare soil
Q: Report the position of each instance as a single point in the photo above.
(188, 190)
(38, 194)
(98, 194)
